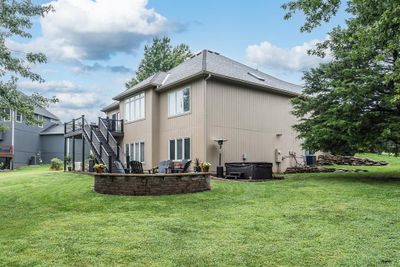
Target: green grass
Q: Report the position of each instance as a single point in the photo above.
(54, 218)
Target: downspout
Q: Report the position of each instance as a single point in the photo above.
(13, 137)
(205, 116)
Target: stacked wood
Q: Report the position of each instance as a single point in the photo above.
(348, 160)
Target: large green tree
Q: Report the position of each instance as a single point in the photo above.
(353, 102)
(159, 56)
(15, 21)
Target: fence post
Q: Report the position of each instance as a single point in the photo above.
(91, 135)
(110, 164)
(101, 150)
(73, 125)
(65, 128)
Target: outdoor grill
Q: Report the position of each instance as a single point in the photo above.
(249, 170)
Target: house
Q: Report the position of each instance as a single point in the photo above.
(180, 113)
(24, 144)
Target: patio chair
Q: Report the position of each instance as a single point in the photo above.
(137, 167)
(186, 164)
(118, 168)
(165, 166)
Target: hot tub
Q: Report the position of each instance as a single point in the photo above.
(249, 170)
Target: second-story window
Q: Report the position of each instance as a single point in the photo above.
(134, 108)
(18, 117)
(179, 102)
(6, 114)
(40, 120)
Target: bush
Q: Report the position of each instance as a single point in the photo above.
(56, 164)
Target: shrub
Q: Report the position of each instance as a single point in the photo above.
(56, 164)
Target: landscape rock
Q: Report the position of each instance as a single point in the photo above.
(348, 160)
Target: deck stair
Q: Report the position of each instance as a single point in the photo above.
(104, 146)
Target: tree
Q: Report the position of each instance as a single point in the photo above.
(160, 56)
(15, 21)
(353, 102)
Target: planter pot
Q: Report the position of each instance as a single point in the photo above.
(205, 169)
(69, 168)
(100, 170)
(197, 169)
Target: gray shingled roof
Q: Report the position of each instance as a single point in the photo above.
(112, 106)
(45, 113)
(54, 129)
(208, 62)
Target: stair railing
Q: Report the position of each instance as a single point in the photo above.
(110, 139)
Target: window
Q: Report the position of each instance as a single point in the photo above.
(135, 151)
(179, 149)
(5, 114)
(179, 102)
(40, 119)
(134, 108)
(18, 117)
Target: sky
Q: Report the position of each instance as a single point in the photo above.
(94, 47)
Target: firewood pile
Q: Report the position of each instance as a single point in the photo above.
(348, 160)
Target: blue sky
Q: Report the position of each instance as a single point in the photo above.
(94, 47)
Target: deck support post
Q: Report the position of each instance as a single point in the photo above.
(65, 154)
(83, 154)
(73, 153)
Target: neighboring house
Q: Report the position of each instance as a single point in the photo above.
(179, 113)
(31, 144)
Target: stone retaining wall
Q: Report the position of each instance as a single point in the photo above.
(151, 184)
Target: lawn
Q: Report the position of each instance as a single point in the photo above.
(54, 218)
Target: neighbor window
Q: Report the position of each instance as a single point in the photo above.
(135, 151)
(134, 108)
(18, 117)
(179, 149)
(40, 120)
(179, 102)
(6, 114)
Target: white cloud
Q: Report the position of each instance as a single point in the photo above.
(49, 86)
(73, 100)
(88, 29)
(296, 58)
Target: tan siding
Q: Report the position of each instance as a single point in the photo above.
(188, 125)
(250, 119)
(141, 130)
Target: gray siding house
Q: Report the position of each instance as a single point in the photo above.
(24, 144)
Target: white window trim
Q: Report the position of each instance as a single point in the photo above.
(40, 118)
(16, 116)
(184, 112)
(134, 150)
(183, 148)
(9, 118)
(130, 100)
